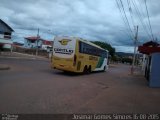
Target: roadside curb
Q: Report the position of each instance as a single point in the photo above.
(112, 65)
(17, 55)
(4, 67)
(33, 56)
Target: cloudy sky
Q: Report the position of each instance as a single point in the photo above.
(89, 19)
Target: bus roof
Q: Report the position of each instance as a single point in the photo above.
(83, 40)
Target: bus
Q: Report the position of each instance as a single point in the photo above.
(77, 55)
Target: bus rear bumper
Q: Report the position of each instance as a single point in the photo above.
(64, 68)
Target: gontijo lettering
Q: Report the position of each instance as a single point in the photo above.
(63, 51)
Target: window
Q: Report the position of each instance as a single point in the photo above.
(7, 35)
(32, 41)
(89, 49)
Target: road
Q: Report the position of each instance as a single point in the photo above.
(31, 86)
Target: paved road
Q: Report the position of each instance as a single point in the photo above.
(31, 86)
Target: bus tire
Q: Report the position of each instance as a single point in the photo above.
(104, 69)
(85, 70)
(89, 69)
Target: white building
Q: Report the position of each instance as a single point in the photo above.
(34, 42)
(5, 35)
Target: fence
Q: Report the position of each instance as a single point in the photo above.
(31, 51)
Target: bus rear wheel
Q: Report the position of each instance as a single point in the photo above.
(85, 70)
(89, 69)
(104, 69)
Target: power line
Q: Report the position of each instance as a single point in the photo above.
(126, 17)
(140, 18)
(130, 11)
(141, 7)
(144, 15)
(128, 34)
(149, 19)
(124, 20)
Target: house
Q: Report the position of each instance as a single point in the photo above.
(5, 35)
(47, 45)
(34, 42)
(17, 44)
(151, 62)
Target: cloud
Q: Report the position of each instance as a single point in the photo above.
(92, 20)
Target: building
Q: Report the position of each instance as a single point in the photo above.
(34, 42)
(151, 62)
(17, 44)
(47, 45)
(5, 35)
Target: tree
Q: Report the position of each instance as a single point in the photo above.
(106, 46)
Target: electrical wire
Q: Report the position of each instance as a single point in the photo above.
(149, 19)
(140, 19)
(126, 17)
(130, 11)
(122, 17)
(124, 20)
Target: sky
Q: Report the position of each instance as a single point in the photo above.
(93, 20)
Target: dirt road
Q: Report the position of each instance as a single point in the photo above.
(31, 86)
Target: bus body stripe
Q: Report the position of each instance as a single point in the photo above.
(100, 62)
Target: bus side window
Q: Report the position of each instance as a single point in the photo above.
(81, 48)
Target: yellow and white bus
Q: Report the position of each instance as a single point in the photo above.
(77, 55)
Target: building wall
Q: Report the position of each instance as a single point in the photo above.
(6, 43)
(3, 28)
(155, 70)
(29, 44)
(144, 63)
(5, 36)
(46, 47)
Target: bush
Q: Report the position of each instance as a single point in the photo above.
(127, 60)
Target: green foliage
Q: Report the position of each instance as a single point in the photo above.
(127, 60)
(116, 58)
(106, 46)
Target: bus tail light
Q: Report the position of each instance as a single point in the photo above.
(74, 60)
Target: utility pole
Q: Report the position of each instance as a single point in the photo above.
(37, 42)
(135, 46)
